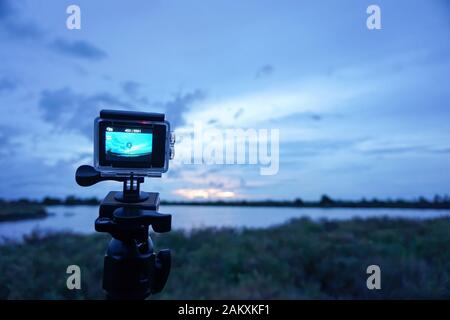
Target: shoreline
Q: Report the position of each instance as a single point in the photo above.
(23, 216)
(17, 211)
(276, 204)
(21, 211)
(436, 203)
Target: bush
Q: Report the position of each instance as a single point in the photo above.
(298, 260)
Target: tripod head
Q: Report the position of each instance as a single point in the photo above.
(131, 269)
(124, 218)
(128, 147)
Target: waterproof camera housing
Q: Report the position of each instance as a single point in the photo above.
(128, 146)
(132, 143)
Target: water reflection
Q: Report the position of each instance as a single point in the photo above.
(81, 219)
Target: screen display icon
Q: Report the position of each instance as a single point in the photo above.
(128, 143)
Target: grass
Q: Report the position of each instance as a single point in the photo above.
(301, 259)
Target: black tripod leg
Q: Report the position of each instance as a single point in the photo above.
(162, 270)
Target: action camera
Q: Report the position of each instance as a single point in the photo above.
(128, 146)
(132, 143)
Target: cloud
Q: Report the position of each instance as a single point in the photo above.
(7, 84)
(207, 177)
(303, 149)
(67, 109)
(24, 30)
(131, 89)
(11, 23)
(238, 113)
(176, 107)
(6, 9)
(264, 71)
(297, 117)
(408, 149)
(402, 146)
(208, 183)
(10, 141)
(264, 107)
(35, 179)
(78, 49)
(4, 141)
(209, 193)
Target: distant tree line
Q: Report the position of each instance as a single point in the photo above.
(70, 201)
(437, 202)
(52, 201)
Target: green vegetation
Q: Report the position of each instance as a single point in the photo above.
(300, 259)
(438, 202)
(19, 210)
(70, 201)
(326, 202)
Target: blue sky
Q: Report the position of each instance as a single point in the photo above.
(360, 112)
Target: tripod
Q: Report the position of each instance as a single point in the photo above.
(132, 270)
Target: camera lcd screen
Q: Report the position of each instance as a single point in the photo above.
(128, 144)
(131, 144)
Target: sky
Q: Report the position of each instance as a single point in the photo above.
(360, 113)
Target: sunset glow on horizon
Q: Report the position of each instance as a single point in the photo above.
(209, 193)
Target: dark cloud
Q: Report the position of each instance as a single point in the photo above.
(7, 84)
(13, 25)
(78, 49)
(445, 4)
(131, 89)
(33, 178)
(69, 110)
(3, 139)
(24, 30)
(302, 149)
(238, 113)
(6, 133)
(238, 181)
(174, 173)
(264, 71)
(442, 150)
(180, 103)
(6, 9)
(303, 116)
(216, 184)
(300, 117)
(395, 150)
(407, 149)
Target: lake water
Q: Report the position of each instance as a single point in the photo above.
(81, 219)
